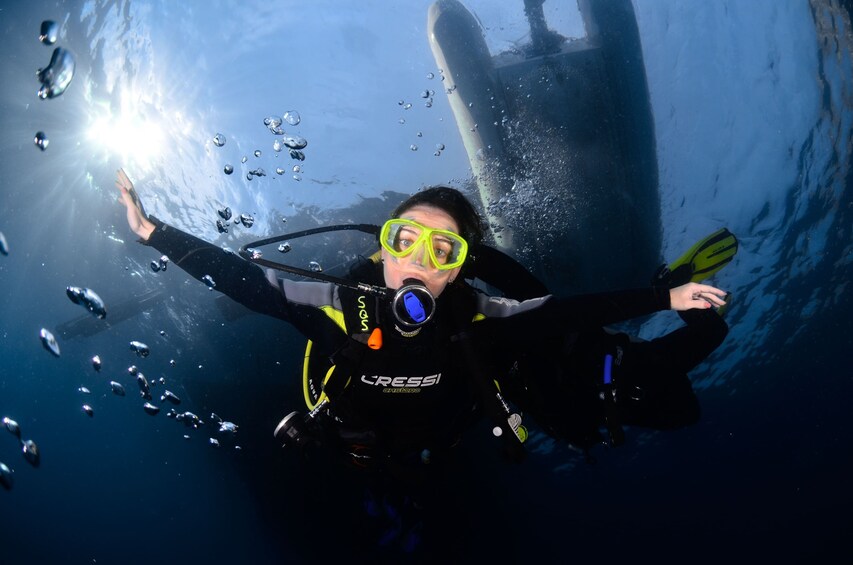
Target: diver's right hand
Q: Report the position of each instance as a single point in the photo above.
(137, 219)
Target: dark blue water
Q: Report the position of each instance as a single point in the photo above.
(753, 114)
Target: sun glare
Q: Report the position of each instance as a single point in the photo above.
(127, 135)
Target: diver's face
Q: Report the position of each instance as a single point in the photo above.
(418, 264)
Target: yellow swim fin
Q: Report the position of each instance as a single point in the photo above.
(705, 258)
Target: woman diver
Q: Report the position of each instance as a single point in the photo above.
(415, 349)
(411, 375)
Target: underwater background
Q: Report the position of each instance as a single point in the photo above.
(752, 105)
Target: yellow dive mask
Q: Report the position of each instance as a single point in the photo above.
(446, 250)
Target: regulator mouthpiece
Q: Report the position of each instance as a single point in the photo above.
(413, 304)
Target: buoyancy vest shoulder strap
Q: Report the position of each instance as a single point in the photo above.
(513, 434)
(360, 313)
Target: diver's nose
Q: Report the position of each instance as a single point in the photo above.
(420, 257)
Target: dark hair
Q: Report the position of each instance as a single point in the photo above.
(455, 204)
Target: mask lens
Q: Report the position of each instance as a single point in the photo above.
(447, 249)
(402, 238)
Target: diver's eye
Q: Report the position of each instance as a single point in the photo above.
(406, 237)
(442, 249)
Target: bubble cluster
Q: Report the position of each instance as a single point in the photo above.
(28, 447)
(189, 419)
(427, 96)
(89, 299)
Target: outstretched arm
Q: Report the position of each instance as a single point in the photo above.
(529, 319)
(239, 279)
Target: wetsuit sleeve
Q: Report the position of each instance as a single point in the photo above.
(688, 346)
(600, 309)
(505, 273)
(571, 314)
(237, 278)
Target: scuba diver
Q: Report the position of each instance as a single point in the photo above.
(413, 348)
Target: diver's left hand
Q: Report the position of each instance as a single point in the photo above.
(695, 295)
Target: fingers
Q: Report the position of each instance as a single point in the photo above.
(128, 193)
(711, 299)
(123, 178)
(125, 197)
(708, 296)
(711, 294)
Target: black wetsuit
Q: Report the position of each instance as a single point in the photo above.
(416, 392)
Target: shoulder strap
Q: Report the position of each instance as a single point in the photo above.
(507, 424)
(361, 312)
